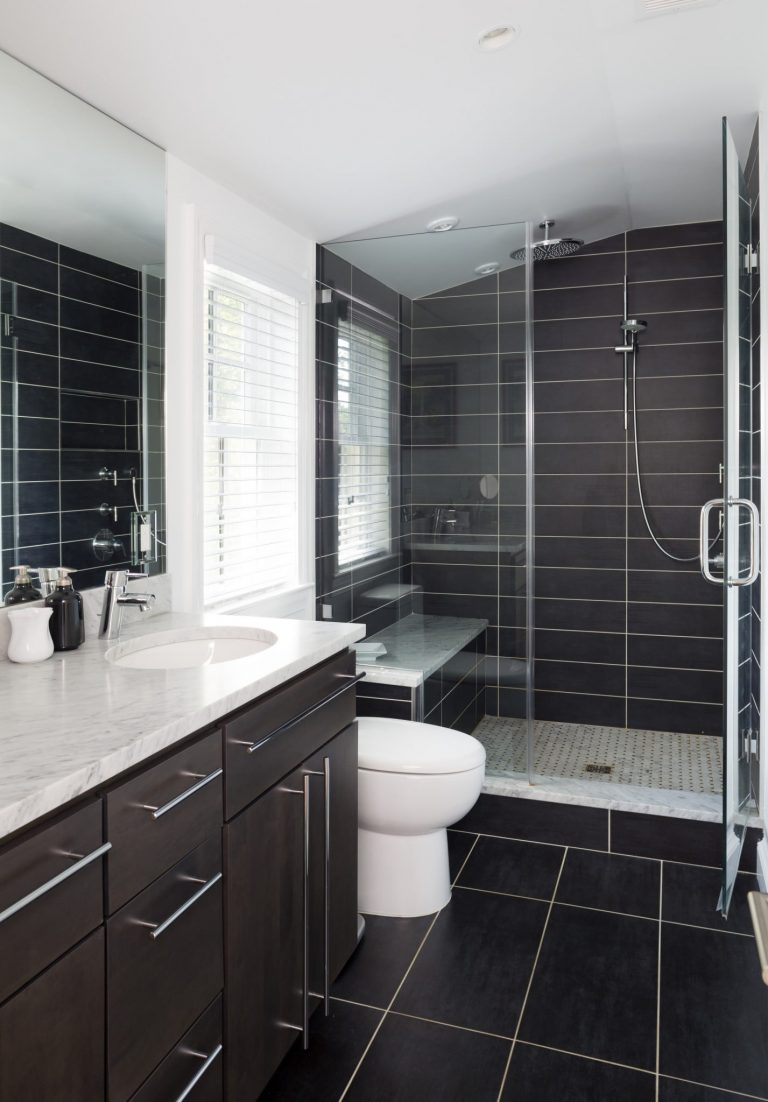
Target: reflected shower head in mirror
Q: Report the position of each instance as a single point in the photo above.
(549, 248)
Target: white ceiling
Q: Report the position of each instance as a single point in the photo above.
(348, 116)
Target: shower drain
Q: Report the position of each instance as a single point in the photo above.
(592, 768)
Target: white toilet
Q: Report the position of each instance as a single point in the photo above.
(414, 781)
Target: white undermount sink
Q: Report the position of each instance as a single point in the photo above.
(192, 648)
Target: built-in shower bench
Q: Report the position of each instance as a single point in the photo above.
(433, 670)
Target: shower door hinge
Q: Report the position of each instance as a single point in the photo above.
(721, 471)
(751, 744)
(750, 259)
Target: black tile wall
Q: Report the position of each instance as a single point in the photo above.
(71, 400)
(623, 635)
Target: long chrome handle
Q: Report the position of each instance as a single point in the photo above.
(704, 540)
(304, 792)
(351, 680)
(326, 775)
(199, 1074)
(161, 927)
(20, 904)
(157, 812)
(754, 541)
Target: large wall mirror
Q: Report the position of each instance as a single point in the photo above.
(82, 291)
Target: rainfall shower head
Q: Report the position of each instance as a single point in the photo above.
(549, 248)
(634, 325)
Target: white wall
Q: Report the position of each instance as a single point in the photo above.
(197, 206)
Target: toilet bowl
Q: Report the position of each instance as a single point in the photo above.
(414, 781)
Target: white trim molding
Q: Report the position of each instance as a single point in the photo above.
(197, 208)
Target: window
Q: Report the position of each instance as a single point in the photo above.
(251, 462)
(364, 439)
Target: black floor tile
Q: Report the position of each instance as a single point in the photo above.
(475, 964)
(459, 845)
(381, 960)
(610, 882)
(322, 1072)
(411, 1061)
(540, 1075)
(690, 895)
(594, 988)
(517, 868)
(673, 1090)
(714, 1010)
(666, 838)
(670, 839)
(538, 821)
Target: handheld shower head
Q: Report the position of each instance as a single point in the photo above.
(633, 325)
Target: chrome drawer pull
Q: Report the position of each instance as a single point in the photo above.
(54, 882)
(351, 680)
(169, 921)
(158, 811)
(304, 792)
(199, 1074)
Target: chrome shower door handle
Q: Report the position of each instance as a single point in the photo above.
(754, 541)
(706, 509)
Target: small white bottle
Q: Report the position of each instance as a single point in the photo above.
(30, 635)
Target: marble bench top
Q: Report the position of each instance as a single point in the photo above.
(71, 723)
(417, 646)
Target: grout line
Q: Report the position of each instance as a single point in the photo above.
(389, 1007)
(530, 978)
(463, 863)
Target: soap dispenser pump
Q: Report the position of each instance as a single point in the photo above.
(67, 624)
(23, 591)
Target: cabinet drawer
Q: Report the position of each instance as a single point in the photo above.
(161, 814)
(46, 925)
(267, 741)
(193, 1070)
(52, 1032)
(164, 965)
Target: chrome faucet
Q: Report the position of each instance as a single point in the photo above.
(116, 597)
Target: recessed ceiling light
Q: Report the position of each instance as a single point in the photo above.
(497, 37)
(440, 225)
(488, 268)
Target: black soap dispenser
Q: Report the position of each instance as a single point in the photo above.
(23, 591)
(66, 624)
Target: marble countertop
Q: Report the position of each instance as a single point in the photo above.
(71, 723)
(417, 646)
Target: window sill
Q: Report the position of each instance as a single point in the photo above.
(288, 604)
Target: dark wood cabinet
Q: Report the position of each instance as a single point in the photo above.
(164, 965)
(339, 760)
(52, 1031)
(264, 866)
(151, 950)
(291, 866)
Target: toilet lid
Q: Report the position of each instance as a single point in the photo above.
(399, 746)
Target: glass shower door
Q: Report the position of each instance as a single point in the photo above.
(740, 519)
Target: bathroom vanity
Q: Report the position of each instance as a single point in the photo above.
(168, 928)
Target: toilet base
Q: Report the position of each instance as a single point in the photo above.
(403, 875)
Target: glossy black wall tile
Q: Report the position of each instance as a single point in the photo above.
(644, 633)
(74, 354)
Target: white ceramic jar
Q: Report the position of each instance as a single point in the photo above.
(30, 635)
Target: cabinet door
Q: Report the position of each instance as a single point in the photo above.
(52, 1032)
(264, 867)
(333, 854)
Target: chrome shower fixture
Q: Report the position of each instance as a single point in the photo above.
(549, 248)
(630, 327)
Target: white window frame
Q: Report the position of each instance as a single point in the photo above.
(385, 549)
(202, 216)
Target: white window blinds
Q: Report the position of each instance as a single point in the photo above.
(364, 439)
(251, 531)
